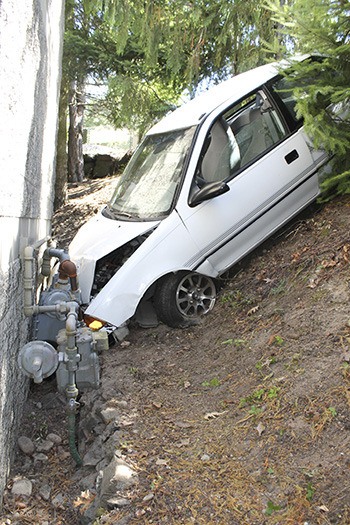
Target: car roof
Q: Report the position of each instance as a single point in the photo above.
(192, 113)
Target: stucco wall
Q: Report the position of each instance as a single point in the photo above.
(31, 34)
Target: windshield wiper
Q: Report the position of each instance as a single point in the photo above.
(113, 214)
(123, 214)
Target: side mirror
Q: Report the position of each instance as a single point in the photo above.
(209, 191)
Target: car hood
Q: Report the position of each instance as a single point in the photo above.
(98, 237)
(101, 235)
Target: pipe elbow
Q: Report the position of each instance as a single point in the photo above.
(60, 254)
(68, 269)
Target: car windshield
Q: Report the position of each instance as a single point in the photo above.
(146, 190)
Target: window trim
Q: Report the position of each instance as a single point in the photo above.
(277, 105)
(291, 123)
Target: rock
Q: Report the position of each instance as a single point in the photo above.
(120, 333)
(90, 422)
(40, 457)
(109, 414)
(89, 515)
(115, 503)
(44, 446)
(26, 445)
(63, 453)
(111, 444)
(58, 500)
(117, 476)
(148, 497)
(102, 164)
(45, 492)
(22, 487)
(88, 482)
(122, 403)
(55, 438)
(95, 453)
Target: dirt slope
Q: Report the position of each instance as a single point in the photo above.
(243, 419)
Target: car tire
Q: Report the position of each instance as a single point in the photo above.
(181, 299)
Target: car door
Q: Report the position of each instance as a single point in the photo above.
(270, 176)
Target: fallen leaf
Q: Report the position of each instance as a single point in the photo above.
(84, 500)
(296, 256)
(156, 404)
(260, 428)
(253, 310)
(328, 264)
(126, 423)
(213, 415)
(313, 282)
(323, 508)
(161, 462)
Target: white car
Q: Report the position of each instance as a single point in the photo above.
(208, 184)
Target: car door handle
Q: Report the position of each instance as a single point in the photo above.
(291, 157)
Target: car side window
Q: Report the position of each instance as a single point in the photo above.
(257, 127)
(282, 91)
(238, 137)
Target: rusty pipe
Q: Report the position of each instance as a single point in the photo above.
(68, 269)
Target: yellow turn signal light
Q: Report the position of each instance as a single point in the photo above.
(94, 324)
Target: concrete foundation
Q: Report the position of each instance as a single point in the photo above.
(31, 33)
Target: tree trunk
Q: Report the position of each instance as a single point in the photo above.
(61, 152)
(75, 135)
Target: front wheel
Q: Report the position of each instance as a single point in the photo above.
(182, 298)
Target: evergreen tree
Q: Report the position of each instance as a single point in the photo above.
(148, 52)
(322, 87)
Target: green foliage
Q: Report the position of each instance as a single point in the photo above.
(322, 87)
(332, 411)
(149, 52)
(278, 340)
(271, 508)
(236, 299)
(310, 491)
(258, 397)
(136, 104)
(212, 383)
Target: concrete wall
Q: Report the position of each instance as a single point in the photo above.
(31, 33)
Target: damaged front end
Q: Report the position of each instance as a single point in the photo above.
(113, 276)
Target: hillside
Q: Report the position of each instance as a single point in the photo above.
(243, 419)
